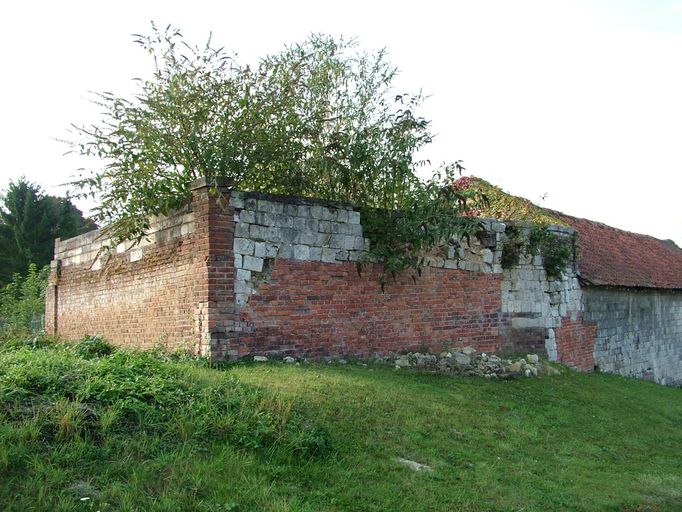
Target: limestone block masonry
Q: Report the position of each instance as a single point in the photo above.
(236, 274)
(639, 332)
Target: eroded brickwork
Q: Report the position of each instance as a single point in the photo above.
(238, 274)
(575, 340)
(135, 303)
(320, 309)
(174, 287)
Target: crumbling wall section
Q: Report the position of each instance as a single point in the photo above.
(238, 273)
(545, 313)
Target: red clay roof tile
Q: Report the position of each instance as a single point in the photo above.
(610, 256)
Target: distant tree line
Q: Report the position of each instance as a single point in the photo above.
(29, 223)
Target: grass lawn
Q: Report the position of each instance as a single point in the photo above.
(82, 430)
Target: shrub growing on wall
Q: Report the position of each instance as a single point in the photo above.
(318, 119)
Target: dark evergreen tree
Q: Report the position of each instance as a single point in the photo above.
(29, 223)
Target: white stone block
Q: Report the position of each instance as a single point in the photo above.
(285, 251)
(271, 250)
(243, 287)
(136, 254)
(243, 274)
(315, 253)
(301, 252)
(244, 246)
(259, 249)
(237, 199)
(487, 256)
(247, 216)
(253, 263)
(340, 215)
(328, 255)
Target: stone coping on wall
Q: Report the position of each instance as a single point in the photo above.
(95, 247)
(289, 227)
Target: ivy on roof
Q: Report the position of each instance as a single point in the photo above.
(503, 206)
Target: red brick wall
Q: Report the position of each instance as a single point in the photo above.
(179, 293)
(317, 309)
(575, 341)
(215, 220)
(136, 304)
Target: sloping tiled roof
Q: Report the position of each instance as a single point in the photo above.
(610, 256)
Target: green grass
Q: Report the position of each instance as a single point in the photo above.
(146, 432)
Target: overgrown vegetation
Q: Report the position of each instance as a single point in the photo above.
(91, 411)
(506, 207)
(22, 302)
(556, 251)
(528, 229)
(318, 119)
(80, 430)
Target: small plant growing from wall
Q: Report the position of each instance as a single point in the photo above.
(556, 251)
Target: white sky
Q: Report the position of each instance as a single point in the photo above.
(577, 101)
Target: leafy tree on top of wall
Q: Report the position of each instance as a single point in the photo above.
(319, 119)
(29, 223)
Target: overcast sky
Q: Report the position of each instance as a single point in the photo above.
(576, 102)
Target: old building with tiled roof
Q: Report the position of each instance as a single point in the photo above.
(632, 292)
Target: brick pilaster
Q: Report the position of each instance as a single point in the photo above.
(215, 314)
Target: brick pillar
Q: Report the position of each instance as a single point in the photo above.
(214, 229)
(52, 297)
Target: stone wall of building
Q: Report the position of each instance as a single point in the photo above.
(238, 274)
(298, 290)
(639, 332)
(545, 315)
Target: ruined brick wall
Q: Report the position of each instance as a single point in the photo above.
(137, 295)
(163, 290)
(318, 309)
(545, 315)
(238, 274)
(298, 291)
(639, 332)
(576, 338)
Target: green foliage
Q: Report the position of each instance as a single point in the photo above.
(578, 441)
(503, 206)
(88, 393)
(512, 247)
(22, 300)
(556, 251)
(431, 214)
(29, 223)
(318, 119)
(93, 346)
